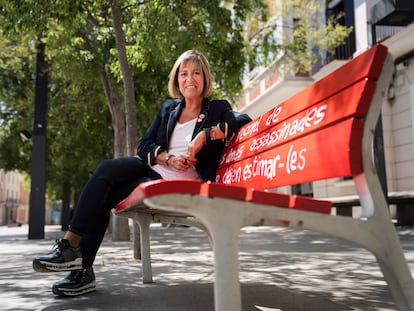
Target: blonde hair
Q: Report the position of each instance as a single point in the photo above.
(201, 60)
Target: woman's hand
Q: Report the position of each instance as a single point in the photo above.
(180, 162)
(195, 146)
(200, 140)
(184, 161)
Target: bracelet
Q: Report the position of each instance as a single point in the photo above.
(168, 157)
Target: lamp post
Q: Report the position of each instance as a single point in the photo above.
(38, 177)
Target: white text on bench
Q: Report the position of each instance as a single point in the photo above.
(312, 117)
(268, 168)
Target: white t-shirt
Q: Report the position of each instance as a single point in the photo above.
(180, 138)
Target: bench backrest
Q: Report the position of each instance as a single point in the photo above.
(314, 135)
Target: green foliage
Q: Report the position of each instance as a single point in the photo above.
(16, 97)
(22, 16)
(79, 130)
(79, 133)
(295, 33)
(159, 31)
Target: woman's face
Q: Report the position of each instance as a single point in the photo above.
(191, 80)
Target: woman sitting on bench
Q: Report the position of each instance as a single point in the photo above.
(184, 141)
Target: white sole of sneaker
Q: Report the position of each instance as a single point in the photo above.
(45, 266)
(76, 291)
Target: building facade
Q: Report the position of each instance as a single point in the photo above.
(9, 196)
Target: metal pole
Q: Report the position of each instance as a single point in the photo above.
(379, 157)
(38, 177)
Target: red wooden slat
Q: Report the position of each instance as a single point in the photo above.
(156, 187)
(265, 197)
(269, 198)
(310, 204)
(328, 153)
(218, 190)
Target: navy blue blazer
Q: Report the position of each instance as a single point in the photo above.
(215, 112)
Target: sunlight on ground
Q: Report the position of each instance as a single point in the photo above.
(267, 309)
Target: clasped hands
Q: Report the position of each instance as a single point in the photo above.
(184, 161)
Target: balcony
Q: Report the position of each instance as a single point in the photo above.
(393, 13)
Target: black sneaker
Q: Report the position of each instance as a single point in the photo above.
(76, 283)
(61, 258)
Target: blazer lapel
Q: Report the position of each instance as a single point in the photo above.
(202, 117)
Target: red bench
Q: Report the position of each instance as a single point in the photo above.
(325, 131)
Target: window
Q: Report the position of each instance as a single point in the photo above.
(345, 7)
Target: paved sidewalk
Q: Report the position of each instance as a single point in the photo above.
(282, 269)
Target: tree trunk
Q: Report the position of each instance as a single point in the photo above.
(114, 102)
(119, 226)
(128, 80)
(129, 95)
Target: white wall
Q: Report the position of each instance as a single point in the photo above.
(400, 147)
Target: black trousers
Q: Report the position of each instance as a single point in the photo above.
(112, 181)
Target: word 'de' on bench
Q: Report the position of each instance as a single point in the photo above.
(325, 131)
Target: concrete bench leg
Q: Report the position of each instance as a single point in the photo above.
(144, 222)
(225, 244)
(398, 276)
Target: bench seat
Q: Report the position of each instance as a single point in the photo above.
(136, 200)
